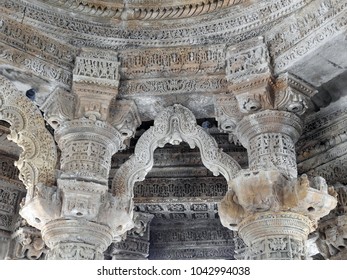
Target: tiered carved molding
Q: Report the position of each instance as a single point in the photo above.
(172, 126)
(322, 147)
(144, 10)
(332, 230)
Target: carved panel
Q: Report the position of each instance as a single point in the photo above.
(228, 25)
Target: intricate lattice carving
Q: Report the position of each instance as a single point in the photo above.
(38, 161)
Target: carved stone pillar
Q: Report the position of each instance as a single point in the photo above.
(272, 209)
(11, 194)
(135, 245)
(80, 218)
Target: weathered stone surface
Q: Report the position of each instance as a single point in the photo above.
(250, 77)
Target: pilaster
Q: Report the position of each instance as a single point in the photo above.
(273, 209)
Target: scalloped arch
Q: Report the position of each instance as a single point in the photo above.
(38, 160)
(173, 125)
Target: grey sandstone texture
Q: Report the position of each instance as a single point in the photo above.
(157, 129)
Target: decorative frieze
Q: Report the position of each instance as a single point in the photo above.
(145, 10)
(170, 62)
(322, 148)
(231, 25)
(7, 168)
(168, 86)
(26, 38)
(29, 62)
(208, 187)
(196, 241)
(298, 36)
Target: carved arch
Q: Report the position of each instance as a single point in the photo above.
(37, 162)
(173, 125)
